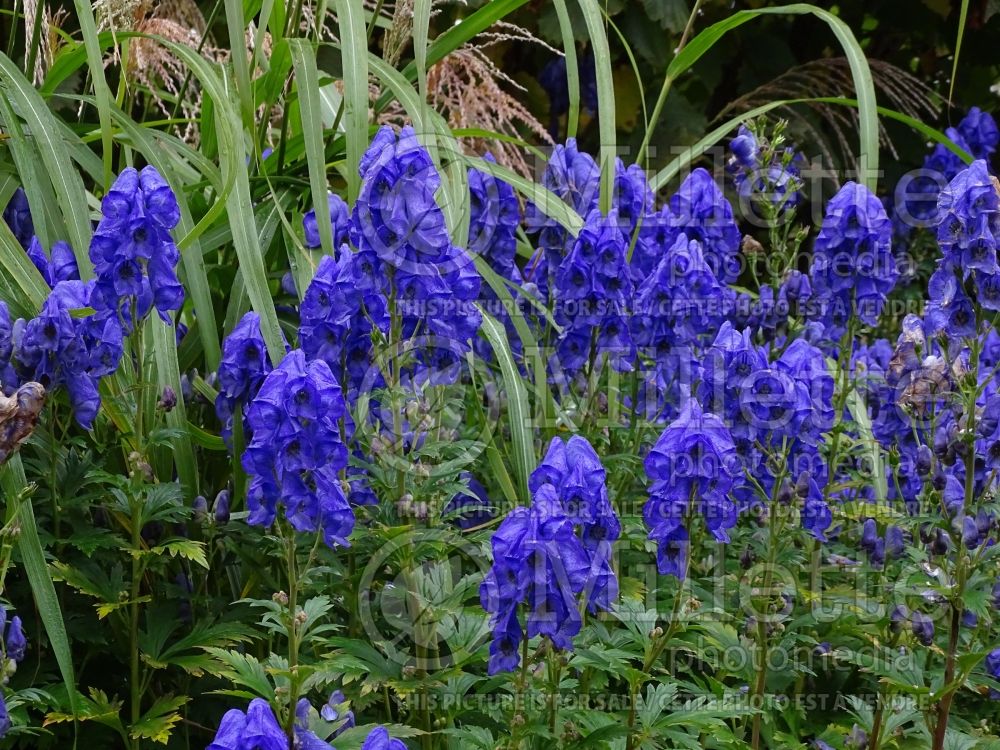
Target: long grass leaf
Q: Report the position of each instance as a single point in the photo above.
(605, 98)
(354, 58)
(102, 94)
(66, 182)
(14, 484)
(307, 86)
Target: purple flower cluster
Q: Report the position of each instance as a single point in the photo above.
(776, 182)
(296, 454)
(342, 307)
(433, 283)
(977, 134)
(60, 349)
(592, 292)
(132, 250)
(17, 215)
(969, 213)
(244, 365)
(853, 268)
(693, 464)
(575, 473)
(14, 647)
(539, 561)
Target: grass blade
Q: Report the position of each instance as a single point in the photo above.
(102, 94)
(963, 14)
(518, 411)
(605, 98)
(572, 67)
(14, 483)
(355, 71)
(307, 86)
(66, 182)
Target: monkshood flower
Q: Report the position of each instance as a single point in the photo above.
(256, 729)
(244, 365)
(339, 312)
(728, 367)
(993, 670)
(693, 464)
(969, 214)
(977, 134)
(57, 349)
(853, 268)
(494, 218)
(297, 453)
(573, 176)
(700, 211)
(538, 561)
(132, 249)
(575, 472)
(776, 182)
(379, 739)
(60, 267)
(681, 303)
(433, 283)
(17, 214)
(592, 291)
(14, 643)
(340, 223)
(922, 627)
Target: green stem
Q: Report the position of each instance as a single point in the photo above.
(293, 634)
(134, 684)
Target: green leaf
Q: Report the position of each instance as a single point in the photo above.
(572, 66)
(102, 94)
(14, 485)
(518, 411)
(158, 722)
(66, 182)
(605, 98)
(307, 86)
(962, 17)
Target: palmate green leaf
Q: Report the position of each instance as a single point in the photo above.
(241, 669)
(353, 738)
(14, 485)
(70, 193)
(159, 721)
(189, 549)
(98, 708)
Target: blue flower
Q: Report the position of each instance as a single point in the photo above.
(257, 729)
(853, 268)
(17, 214)
(592, 292)
(57, 349)
(340, 223)
(132, 249)
(538, 561)
(16, 644)
(469, 509)
(574, 471)
(339, 312)
(61, 267)
(979, 131)
(993, 670)
(297, 453)
(693, 463)
(379, 739)
(244, 365)
(5, 723)
(922, 627)
(699, 210)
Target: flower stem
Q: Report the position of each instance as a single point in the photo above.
(293, 634)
